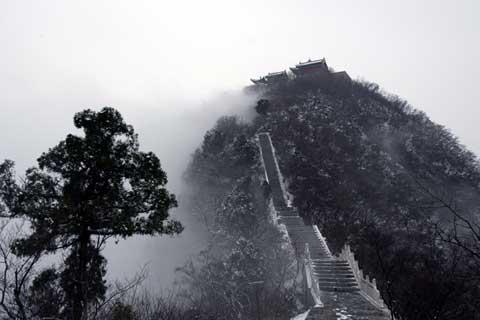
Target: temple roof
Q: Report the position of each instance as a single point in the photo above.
(311, 63)
(275, 76)
(271, 77)
(341, 75)
(310, 66)
(261, 80)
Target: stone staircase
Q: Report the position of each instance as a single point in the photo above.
(334, 275)
(339, 291)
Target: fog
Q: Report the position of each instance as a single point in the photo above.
(173, 134)
(172, 67)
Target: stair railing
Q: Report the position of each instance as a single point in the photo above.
(322, 240)
(312, 285)
(368, 288)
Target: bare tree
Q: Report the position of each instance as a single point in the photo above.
(117, 292)
(16, 273)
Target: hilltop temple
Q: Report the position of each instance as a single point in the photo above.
(310, 68)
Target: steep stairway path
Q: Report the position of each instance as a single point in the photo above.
(339, 290)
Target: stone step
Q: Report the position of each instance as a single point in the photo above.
(338, 281)
(333, 282)
(311, 248)
(318, 254)
(302, 231)
(304, 240)
(332, 270)
(338, 289)
(330, 261)
(341, 271)
(313, 251)
(301, 245)
(334, 275)
(285, 214)
(312, 243)
(300, 227)
(302, 234)
(298, 221)
(368, 314)
(335, 279)
(333, 266)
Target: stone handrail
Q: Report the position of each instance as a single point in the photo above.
(312, 285)
(368, 287)
(322, 239)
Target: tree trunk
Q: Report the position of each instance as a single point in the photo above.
(80, 305)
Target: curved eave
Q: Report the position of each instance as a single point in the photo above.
(258, 81)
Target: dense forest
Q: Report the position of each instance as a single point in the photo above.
(365, 166)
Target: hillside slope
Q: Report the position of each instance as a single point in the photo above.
(373, 172)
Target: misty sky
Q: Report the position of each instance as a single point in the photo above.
(164, 63)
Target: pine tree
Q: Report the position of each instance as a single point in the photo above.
(86, 190)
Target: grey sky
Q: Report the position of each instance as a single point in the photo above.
(162, 62)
